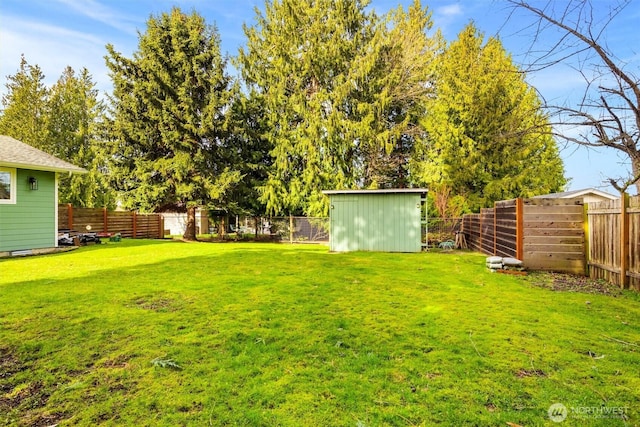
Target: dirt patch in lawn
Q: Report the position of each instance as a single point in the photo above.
(522, 373)
(23, 403)
(119, 362)
(563, 282)
(156, 303)
(9, 364)
(47, 420)
(31, 395)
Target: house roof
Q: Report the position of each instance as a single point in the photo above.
(383, 191)
(577, 193)
(14, 153)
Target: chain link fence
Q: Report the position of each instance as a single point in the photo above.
(442, 229)
(300, 229)
(296, 229)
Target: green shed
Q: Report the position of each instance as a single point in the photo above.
(391, 220)
(29, 196)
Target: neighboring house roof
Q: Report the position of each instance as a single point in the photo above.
(17, 154)
(577, 193)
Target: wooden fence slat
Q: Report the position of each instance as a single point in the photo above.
(566, 232)
(564, 240)
(624, 241)
(552, 202)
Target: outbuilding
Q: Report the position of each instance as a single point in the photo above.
(389, 220)
(29, 196)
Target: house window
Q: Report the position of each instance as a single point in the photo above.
(7, 186)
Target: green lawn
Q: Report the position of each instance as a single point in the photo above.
(171, 333)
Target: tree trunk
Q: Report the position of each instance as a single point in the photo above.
(256, 221)
(190, 231)
(223, 227)
(635, 169)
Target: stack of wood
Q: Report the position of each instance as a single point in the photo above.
(461, 240)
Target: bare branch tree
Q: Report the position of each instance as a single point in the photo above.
(608, 114)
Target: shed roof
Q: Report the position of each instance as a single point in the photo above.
(382, 191)
(17, 154)
(577, 193)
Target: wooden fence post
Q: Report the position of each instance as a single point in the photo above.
(105, 222)
(161, 227)
(495, 229)
(135, 223)
(290, 228)
(519, 228)
(70, 216)
(624, 240)
(587, 250)
(480, 221)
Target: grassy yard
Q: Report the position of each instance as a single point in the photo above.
(171, 333)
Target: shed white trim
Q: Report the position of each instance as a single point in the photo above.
(382, 191)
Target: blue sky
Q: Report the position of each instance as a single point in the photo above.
(57, 33)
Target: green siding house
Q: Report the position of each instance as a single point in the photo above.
(392, 220)
(29, 196)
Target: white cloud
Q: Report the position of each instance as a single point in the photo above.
(98, 12)
(450, 18)
(52, 48)
(43, 32)
(448, 11)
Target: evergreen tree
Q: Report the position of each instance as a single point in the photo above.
(299, 65)
(340, 88)
(75, 116)
(24, 114)
(169, 118)
(399, 91)
(481, 140)
(247, 149)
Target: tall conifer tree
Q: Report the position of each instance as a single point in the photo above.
(406, 55)
(298, 63)
(340, 88)
(74, 133)
(487, 136)
(169, 107)
(24, 114)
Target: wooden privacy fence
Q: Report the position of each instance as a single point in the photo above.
(614, 241)
(128, 224)
(546, 234)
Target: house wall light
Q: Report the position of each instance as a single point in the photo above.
(33, 183)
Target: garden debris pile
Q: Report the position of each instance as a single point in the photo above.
(572, 283)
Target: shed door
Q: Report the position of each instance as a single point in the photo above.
(376, 222)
